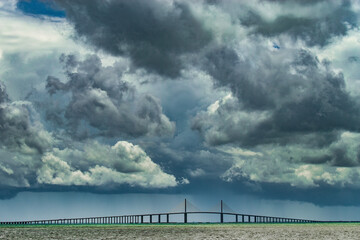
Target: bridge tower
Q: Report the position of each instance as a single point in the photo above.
(185, 213)
(222, 212)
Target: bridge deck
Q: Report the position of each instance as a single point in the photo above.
(157, 218)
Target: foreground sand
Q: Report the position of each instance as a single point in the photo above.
(192, 231)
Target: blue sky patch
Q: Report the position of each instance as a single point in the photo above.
(276, 46)
(39, 7)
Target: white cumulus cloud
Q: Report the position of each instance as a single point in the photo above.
(123, 163)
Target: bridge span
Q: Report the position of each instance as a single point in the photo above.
(153, 218)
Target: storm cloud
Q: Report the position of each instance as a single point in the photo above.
(163, 94)
(107, 103)
(20, 128)
(155, 34)
(314, 22)
(32, 156)
(277, 98)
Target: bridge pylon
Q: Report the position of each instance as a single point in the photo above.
(221, 212)
(185, 213)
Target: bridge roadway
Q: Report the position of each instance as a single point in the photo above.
(157, 218)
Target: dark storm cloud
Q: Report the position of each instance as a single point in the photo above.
(3, 95)
(107, 103)
(153, 33)
(281, 125)
(18, 130)
(314, 30)
(8, 192)
(337, 156)
(353, 59)
(302, 2)
(337, 196)
(294, 100)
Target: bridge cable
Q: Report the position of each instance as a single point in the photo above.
(228, 209)
(179, 208)
(191, 207)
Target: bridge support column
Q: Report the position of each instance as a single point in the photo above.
(159, 216)
(142, 218)
(167, 218)
(185, 213)
(150, 218)
(221, 214)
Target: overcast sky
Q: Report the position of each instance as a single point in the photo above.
(258, 98)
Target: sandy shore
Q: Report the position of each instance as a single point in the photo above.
(191, 231)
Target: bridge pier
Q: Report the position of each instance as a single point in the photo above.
(222, 212)
(185, 213)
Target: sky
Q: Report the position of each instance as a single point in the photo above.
(105, 102)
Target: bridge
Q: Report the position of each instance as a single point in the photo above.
(153, 218)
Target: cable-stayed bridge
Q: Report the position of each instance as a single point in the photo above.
(184, 210)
